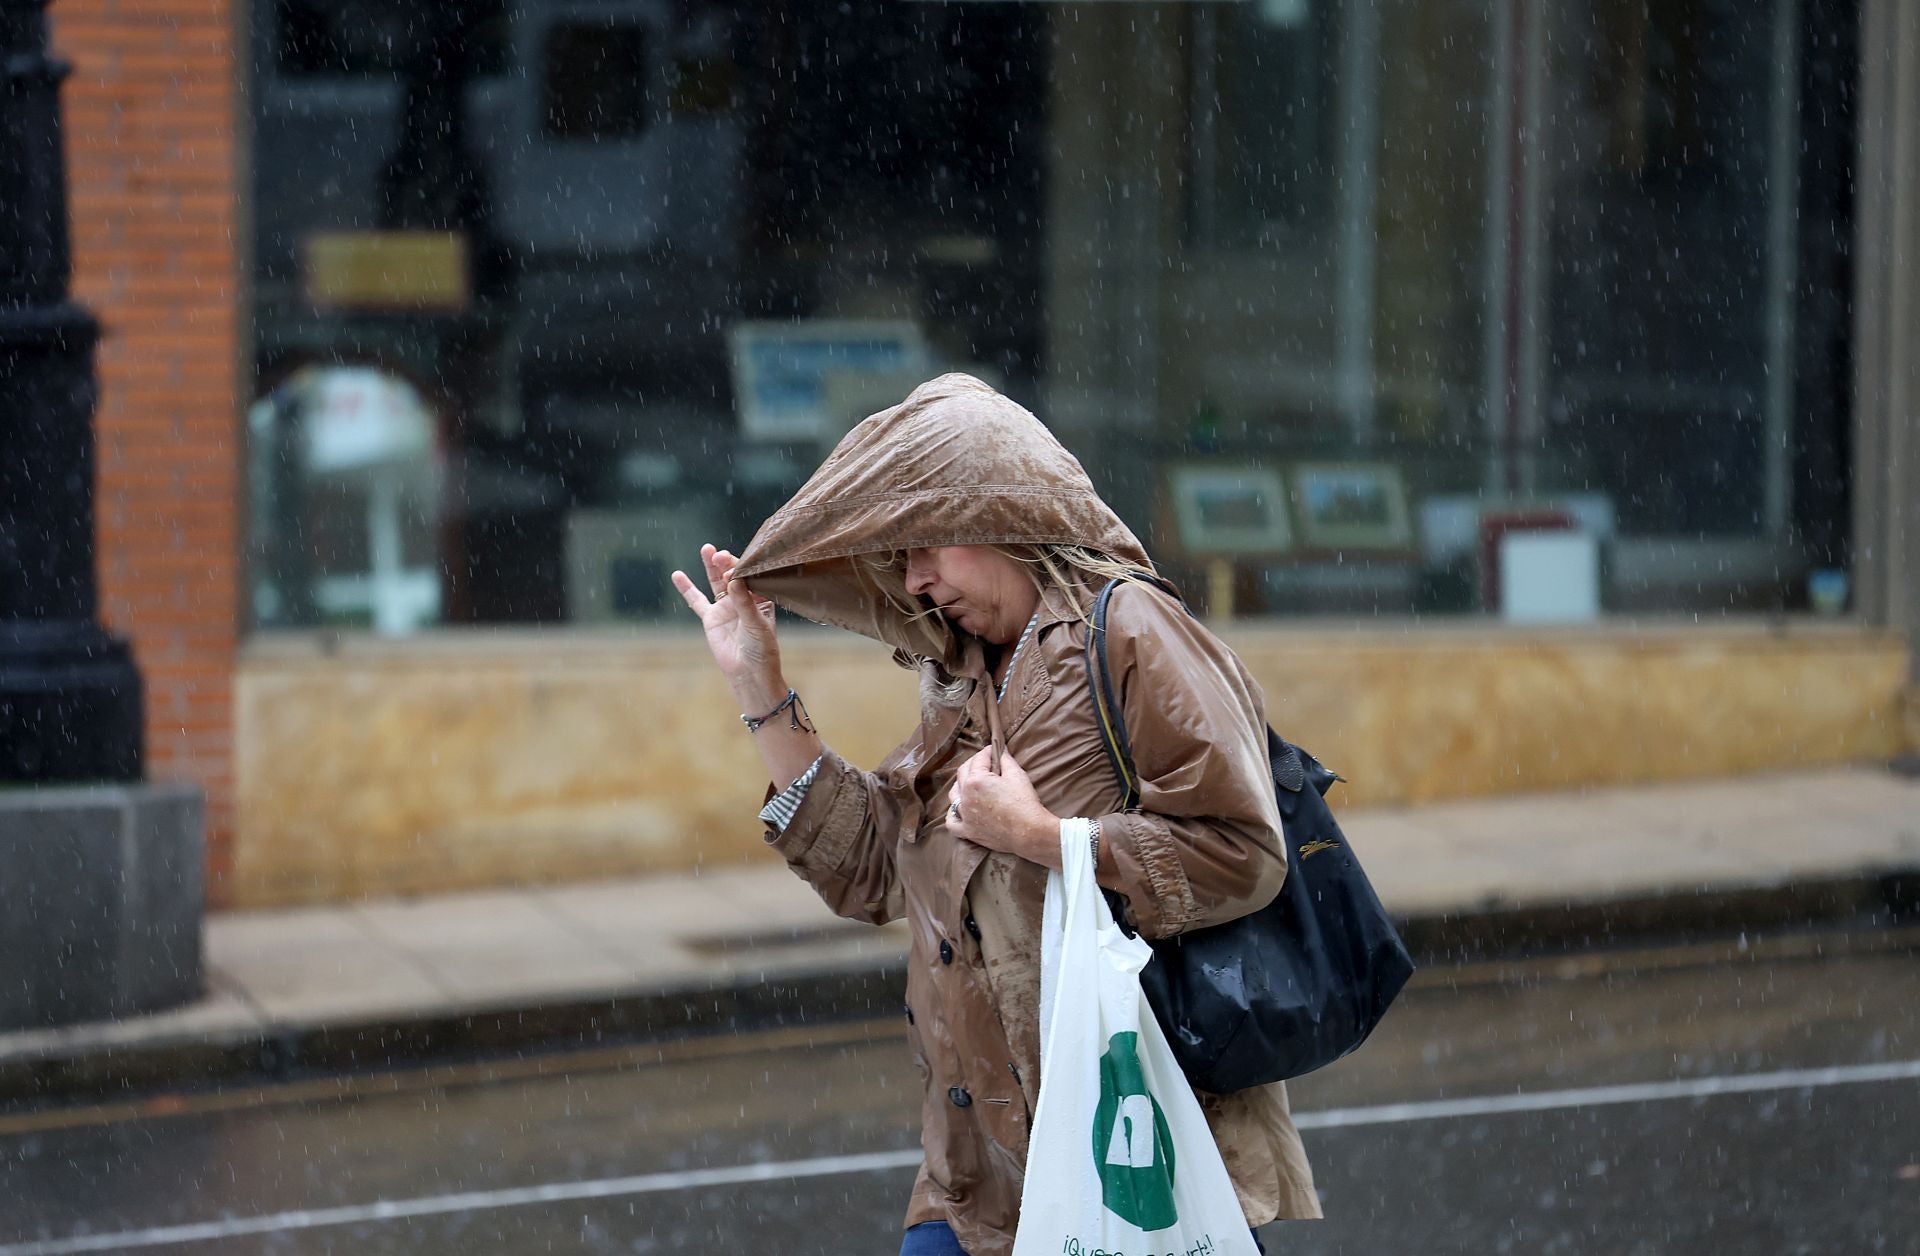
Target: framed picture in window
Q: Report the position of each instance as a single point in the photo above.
(781, 370)
(1223, 511)
(1352, 506)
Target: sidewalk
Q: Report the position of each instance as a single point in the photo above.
(385, 982)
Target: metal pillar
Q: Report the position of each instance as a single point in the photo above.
(70, 705)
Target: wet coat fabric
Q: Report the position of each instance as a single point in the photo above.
(959, 464)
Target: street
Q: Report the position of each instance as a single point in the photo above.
(1739, 1096)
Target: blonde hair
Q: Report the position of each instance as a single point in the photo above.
(1074, 570)
(886, 571)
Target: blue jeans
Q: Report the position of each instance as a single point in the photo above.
(930, 1238)
(935, 1238)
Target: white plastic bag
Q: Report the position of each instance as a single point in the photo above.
(1121, 1162)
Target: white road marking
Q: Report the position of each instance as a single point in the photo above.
(1601, 1096)
(431, 1205)
(875, 1162)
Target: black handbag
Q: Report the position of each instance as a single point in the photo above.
(1293, 986)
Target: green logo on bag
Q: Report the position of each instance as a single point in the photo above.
(1132, 1149)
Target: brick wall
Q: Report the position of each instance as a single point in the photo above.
(153, 182)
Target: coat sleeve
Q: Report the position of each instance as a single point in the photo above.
(1204, 845)
(841, 839)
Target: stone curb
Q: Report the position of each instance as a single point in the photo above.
(90, 1071)
(1866, 899)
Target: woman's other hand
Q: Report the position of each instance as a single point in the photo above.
(739, 628)
(1002, 812)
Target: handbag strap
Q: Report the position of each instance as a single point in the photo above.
(1106, 703)
(1292, 767)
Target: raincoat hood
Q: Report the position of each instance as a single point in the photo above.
(956, 463)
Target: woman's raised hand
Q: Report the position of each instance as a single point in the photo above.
(739, 626)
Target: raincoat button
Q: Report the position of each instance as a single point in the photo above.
(973, 927)
(946, 951)
(960, 1097)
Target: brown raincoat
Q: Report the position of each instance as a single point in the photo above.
(959, 464)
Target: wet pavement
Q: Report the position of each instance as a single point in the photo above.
(658, 1148)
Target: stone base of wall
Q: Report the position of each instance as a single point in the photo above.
(461, 762)
(103, 887)
(1456, 713)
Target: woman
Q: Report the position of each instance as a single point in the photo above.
(954, 528)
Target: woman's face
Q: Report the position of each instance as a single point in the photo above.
(979, 589)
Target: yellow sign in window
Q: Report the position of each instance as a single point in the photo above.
(386, 270)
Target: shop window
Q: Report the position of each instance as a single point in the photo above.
(361, 38)
(1576, 347)
(1348, 307)
(1262, 111)
(595, 80)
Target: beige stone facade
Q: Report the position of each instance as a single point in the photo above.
(501, 759)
